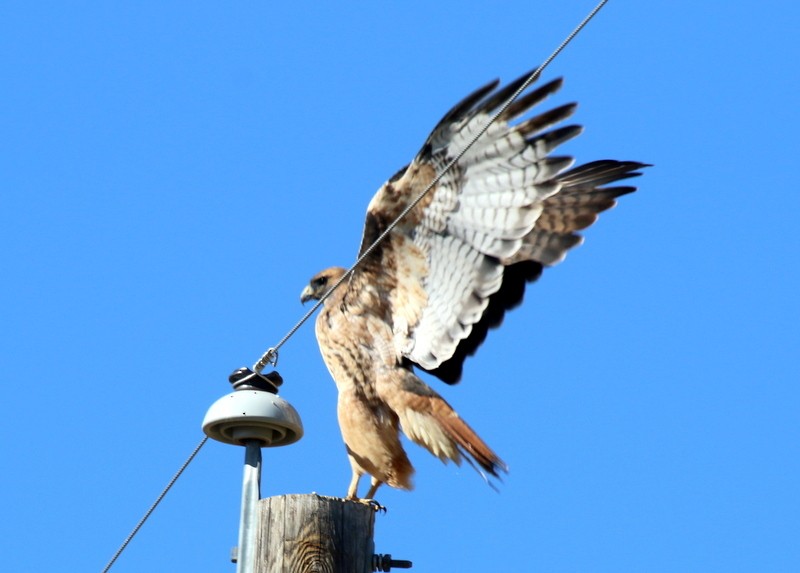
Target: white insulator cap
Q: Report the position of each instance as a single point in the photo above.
(253, 415)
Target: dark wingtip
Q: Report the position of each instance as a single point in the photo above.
(465, 105)
(530, 99)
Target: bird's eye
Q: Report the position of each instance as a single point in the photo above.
(320, 281)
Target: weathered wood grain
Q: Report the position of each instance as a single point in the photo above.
(309, 533)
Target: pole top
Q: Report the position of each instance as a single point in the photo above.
(253, 412)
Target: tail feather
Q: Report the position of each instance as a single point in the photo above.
(428, 420)
(471, 445)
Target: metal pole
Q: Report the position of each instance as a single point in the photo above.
(251, 493)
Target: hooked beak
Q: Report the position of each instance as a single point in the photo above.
(307, 294)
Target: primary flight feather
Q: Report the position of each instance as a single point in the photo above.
(427, 295)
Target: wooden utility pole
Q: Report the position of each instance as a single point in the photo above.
(312, 533)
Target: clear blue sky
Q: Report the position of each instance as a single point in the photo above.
(173, 173)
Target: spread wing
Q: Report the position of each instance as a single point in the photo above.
(462, 257)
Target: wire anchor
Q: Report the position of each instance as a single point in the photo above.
(269, 357)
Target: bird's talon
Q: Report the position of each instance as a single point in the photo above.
(376, 507)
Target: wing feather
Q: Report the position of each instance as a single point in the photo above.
(462, 257)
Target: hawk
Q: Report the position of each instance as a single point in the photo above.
(426, 296)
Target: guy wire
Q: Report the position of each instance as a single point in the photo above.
(155, 504)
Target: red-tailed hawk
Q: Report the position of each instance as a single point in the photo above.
(427, 295)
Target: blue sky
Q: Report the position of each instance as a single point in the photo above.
(173, 173)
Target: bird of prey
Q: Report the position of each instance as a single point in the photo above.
(426, 296)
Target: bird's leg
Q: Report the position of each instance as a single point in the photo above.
(375, 484)
(352, 491)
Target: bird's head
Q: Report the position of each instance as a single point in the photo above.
(321, 283)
